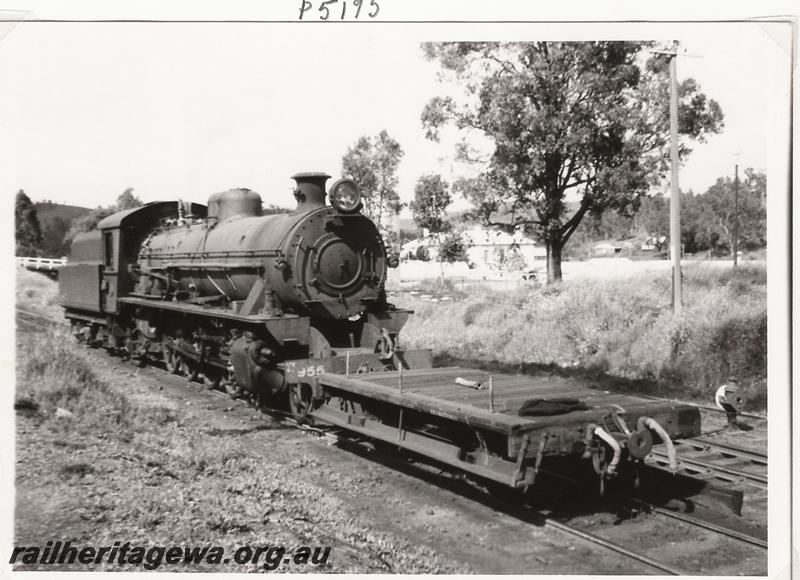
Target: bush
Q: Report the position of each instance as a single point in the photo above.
(613, 326)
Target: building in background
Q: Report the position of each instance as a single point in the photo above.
(610, 248)
(498, 250)
(487, 249)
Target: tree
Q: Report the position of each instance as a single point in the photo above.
(126, 200)
(429, 208)
(452, 248)
(749, 212)
(653, 216)
(273, 209)
(431, 198)
(699, 232)
(53, 232)
(585, 117)
(28, 230)
(372, 162)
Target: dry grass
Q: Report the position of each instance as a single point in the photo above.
(617, 328)
(37, 293)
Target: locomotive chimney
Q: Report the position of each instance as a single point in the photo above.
(310, 190)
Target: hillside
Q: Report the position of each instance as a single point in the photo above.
(47, 211)
(55, 220)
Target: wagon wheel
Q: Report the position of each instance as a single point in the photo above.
(233, 389)
(212, 382)
(198, 374)
(138, 361)
(173, 361)
(79, 333)
(301, 401)
(192, 369)
(134, 353)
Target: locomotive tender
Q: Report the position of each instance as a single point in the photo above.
(292, 307)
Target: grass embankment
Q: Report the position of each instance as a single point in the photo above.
(620, 332)
(37, 293)
(140, 467)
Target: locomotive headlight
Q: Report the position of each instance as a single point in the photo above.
(345, 196)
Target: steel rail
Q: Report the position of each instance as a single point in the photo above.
(32, 324)
(616, 548)
(744, 453)
(702, 406)
(620, 497)
(731, 533)
(38, 315)
(714, 468)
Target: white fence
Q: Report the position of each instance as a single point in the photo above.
(40, 263)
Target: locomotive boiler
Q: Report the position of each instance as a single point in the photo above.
(235, 298)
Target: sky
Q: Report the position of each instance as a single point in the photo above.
(183, 110)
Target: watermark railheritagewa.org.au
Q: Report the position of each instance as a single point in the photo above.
(152, 557)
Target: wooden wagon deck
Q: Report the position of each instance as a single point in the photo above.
(435, 391)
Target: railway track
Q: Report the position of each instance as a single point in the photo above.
(350, 441)
(700, 457)
(549, 519)
(35, 321)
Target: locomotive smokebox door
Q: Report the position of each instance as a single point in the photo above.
(338, 262)
(335, 260)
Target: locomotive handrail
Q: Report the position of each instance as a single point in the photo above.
(217, 254)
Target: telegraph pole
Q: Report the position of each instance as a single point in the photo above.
(735, 241)
(675, 194)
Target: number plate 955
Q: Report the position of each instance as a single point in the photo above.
(298, 371)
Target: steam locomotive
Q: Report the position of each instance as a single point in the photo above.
(236, 299)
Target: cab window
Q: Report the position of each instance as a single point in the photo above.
(108, 243)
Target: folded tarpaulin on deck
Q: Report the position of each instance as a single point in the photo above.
(554, 406)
